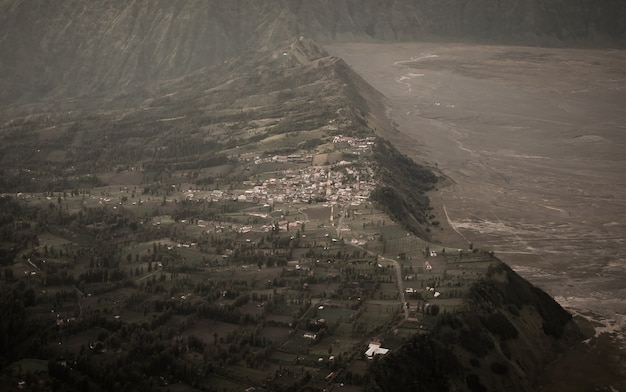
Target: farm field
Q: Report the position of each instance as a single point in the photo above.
(254, 296)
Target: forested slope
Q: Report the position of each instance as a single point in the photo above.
(508, 333)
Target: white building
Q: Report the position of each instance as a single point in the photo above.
(375, 349)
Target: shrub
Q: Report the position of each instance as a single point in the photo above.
(475, 342)
(499, 368)
(498, 324)
(474, 384)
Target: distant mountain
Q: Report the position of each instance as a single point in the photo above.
(77, 47)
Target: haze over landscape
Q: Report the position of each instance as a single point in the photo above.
(313, 195)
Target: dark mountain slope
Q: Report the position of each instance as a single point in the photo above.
(78, 47)
(531, 22)
(504, 339)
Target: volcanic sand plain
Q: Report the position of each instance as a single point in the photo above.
(533, 143)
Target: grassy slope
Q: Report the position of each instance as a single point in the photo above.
(510, 331)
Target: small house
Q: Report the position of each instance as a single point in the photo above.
(374, 349)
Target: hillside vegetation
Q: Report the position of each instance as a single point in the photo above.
(503, 340)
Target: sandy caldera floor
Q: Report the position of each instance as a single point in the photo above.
(534, 141)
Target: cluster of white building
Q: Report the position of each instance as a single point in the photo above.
(362, 143)
(311, 183)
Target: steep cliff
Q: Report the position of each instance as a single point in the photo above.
(78, 47)
(530, 22)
